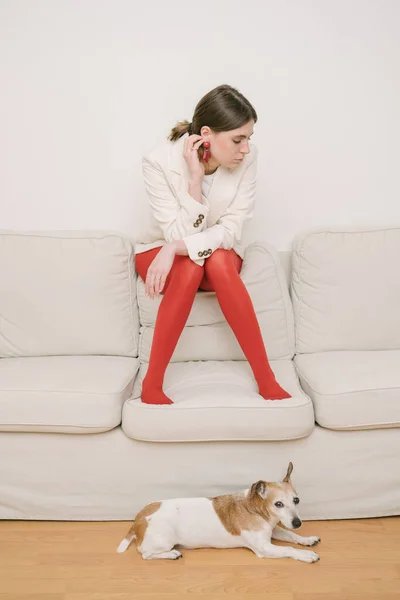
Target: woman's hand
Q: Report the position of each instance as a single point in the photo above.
(158, 271)
(196, 167)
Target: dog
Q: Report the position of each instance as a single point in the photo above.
(247, 519)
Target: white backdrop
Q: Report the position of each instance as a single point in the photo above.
(88, 86)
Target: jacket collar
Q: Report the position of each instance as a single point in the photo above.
(176, 162)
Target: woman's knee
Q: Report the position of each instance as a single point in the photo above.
(184, 264)
(184, 273)
(222, 262)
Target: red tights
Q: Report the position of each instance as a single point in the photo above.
(220, 273)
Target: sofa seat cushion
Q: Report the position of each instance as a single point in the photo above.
(68, 394)
(218, 401)
(353, 389)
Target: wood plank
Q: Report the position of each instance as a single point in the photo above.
(77, 561)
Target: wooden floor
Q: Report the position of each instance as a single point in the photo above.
(360, 560)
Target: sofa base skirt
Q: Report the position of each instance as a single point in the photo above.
(108, 476)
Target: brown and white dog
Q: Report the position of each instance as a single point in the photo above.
(247, 519)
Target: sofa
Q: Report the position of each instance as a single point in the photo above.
(77, 443)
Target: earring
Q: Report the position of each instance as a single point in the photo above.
(206, 152)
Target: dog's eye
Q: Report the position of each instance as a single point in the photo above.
(296, 500)
(279, 504)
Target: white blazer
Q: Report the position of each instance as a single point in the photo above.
(217, 223)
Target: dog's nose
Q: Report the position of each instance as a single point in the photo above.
(296, 523)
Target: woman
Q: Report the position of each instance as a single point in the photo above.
(201, 184)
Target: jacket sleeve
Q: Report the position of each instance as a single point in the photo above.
(178, 217)
(229, 229)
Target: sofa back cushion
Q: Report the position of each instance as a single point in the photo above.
(207, 335)
(66, 293)
(346, 289)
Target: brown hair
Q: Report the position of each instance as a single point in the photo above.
(222, 109)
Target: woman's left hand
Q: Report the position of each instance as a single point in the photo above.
(158, 271)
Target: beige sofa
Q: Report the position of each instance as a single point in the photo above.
(75, 334)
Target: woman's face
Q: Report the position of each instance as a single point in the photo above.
(228, 148)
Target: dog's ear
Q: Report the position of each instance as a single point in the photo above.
(260, 488)
(288, 474)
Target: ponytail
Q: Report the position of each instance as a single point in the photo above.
(179, 130)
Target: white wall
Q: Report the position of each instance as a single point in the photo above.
(88, 86)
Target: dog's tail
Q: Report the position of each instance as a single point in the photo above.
(126, 542)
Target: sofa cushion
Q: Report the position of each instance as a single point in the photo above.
(207, 336)
(219, 401)
(68, 394)
(353, 390)
(346, 290)
(66, 294)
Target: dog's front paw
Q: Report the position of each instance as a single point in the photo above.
(312, 540)
(308, 556)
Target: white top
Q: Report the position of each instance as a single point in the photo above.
(207, 183)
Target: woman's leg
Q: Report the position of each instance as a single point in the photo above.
(206, 285)
(178, 295)
(222, 274)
